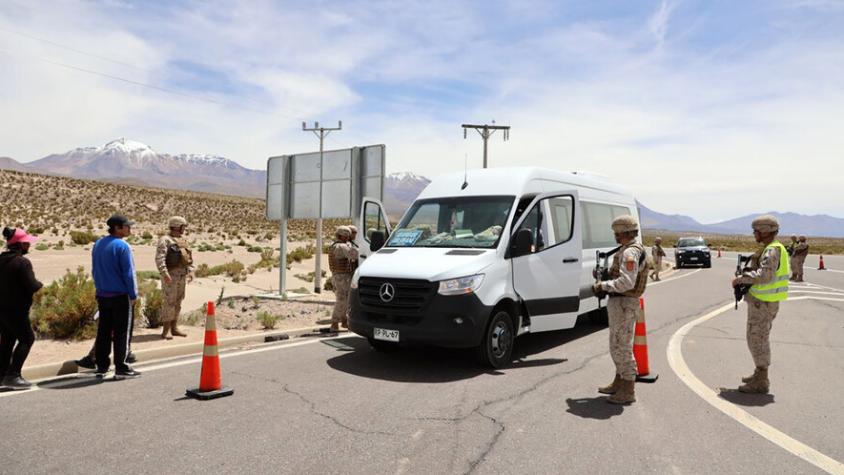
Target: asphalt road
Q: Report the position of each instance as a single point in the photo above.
(336, 406)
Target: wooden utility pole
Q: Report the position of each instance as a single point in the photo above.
(321, 133)
(486, 131)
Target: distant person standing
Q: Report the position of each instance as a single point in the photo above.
(117, 290)
(768, 275)
(341, 254)
(174, 261)
(657, 253)
(17, 286)
(801, 251)
(628, 280)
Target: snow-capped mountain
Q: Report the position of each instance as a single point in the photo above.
(130, 161)
(400, 189)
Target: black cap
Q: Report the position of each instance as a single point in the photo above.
(119, 220)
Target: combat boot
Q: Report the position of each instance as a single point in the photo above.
(748, 379)
(165, 331)
(625, 394)
(175, 330)
(613, 387)
(758, 384)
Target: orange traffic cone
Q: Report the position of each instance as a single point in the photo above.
(640, 348)
(210, 382)
(821, 266)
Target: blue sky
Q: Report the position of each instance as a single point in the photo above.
(706, 108)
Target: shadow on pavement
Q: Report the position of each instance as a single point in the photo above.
(428, 364)
(743, 399)
(593, 408)
(145, 338)
(73, 382)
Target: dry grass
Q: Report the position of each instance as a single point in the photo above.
(741, 243)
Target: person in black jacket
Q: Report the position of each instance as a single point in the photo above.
(17, 286)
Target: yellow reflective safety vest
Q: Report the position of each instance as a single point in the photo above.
(776, 290)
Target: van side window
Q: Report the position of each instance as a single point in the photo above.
(562, 218)
(597, 222)
(535, 223)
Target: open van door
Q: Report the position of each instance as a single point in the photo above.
(373, 217)
(545, 250)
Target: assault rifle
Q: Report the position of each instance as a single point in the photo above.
(602, 271)
(741, 290)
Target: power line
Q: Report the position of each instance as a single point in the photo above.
(79, 51)
(486, 131)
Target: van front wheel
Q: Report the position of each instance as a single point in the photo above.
(496, 347)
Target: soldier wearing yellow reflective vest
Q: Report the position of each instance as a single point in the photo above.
(768, 274)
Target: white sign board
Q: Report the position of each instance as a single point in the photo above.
(348, 176)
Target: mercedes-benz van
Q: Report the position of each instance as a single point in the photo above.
(483, 257)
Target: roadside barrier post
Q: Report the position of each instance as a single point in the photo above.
(640, 348)
(210, 382)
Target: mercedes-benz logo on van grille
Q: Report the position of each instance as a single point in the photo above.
(387, 292)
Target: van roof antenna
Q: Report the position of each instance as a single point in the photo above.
(465, 171)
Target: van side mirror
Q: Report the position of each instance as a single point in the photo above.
(522, 243)
(377, 240)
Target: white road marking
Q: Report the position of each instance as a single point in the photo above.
(651, 284)
(179, 362)
(681, 369)
(829, 270)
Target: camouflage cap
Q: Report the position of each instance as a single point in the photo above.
(802, 238)
(658, 239)
(177, 221)
(766, 224)
(343, 231)
(625, 223)
(353, 228)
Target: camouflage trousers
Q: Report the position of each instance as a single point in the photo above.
(622, 312)
(760, 318)
(174, 293)
(342, 283)
(657, 268)
(797, 267)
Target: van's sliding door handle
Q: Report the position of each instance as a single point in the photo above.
(569, 260)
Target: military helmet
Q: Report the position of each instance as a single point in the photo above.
(624, 224)
(353, 228)
(658, 239)
(177, 222)
(343, 231)
(766, 224)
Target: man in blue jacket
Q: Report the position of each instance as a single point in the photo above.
(117, 290)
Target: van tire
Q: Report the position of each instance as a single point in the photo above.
(599, 317)
(382, 346)
(496, 348)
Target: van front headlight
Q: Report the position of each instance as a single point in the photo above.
(355, 279)
(461, 286)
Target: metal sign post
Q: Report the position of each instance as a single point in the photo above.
(341, 177)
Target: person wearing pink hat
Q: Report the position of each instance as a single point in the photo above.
(17, 286)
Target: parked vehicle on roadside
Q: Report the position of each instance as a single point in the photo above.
(481, 258)
(692, 251)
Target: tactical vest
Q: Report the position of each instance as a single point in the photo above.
(776, 290)
(641, 277)
(178, 254)
(338, 265)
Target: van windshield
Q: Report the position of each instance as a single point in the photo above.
(472, 222)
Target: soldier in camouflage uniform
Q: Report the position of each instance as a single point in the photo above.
(175, 264)
(628, 279)
(657, 253)
(801, 250)
(768, 274)
(341, 255)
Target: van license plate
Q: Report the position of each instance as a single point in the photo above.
(386, 335)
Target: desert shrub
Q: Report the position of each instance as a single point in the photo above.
(267, 319)
(153, 301)
(146, 236)
(35, 230)
(300, 253)
(255, 249)
(233, 269)
(59, 246)
(148, 275)
(82, 237)
(65, 309)
(42, 247)
(241, 243)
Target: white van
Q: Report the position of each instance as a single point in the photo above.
(482, 257)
